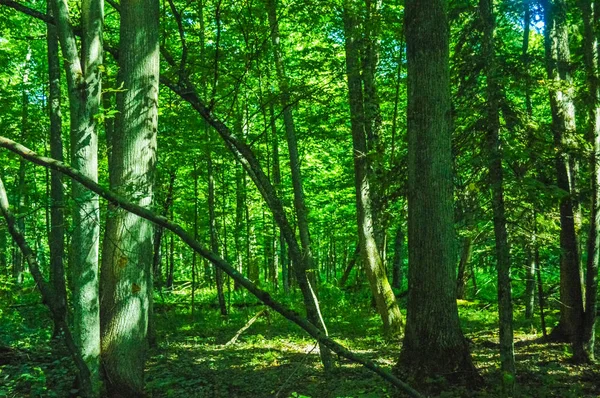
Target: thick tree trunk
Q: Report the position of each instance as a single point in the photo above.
(56, 237)
(127, 251)
(305, 270)
(433, 344)
(83, 81)
(583, 350)
(505, 308)
(561, 93)
(381, 290)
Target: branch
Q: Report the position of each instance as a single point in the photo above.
(262, 295)
(27, 10)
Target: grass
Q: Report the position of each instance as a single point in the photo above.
(274, 357)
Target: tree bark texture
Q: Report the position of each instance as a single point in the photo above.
(127, 250)
(84, 86)
(433, 344)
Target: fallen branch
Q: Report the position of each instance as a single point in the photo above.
(262, 295)
(245, 327)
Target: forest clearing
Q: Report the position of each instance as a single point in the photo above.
(299, 198)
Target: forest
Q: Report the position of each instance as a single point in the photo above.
(299, 198)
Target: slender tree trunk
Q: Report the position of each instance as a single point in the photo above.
(56, 237)
(583, 350)
(505, 309)
(561, 92)
(212, 226)
(18, 263)
(465, 258)
(159, 232)
(433, 344)
(381, 290)
(372, 118)
(127, 251)
(195, 255)
(530, 269)
(305, 270)
(239, 222)
(84, 86)
(277, 184)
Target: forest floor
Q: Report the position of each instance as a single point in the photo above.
(274, 358)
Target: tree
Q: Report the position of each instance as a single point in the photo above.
(385, 300)
(127, 249)
(433, 344)
(561, 92)
(84, 87)
(507, 356)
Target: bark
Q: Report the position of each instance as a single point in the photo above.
(465, 258)
(127, 251)
(57, 206)
(306, 270)
(116, 199)
(84, 87)
(433, 344)
(505, 308)
(385, 301)
(49, 296)
(583, 350)
(561, 92)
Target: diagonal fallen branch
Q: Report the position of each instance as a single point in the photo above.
(245, 327)
(262, 295)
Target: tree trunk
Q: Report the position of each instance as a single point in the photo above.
(583, 350)
(305, 270)
(505, 309)
(277, 184)
(372, 118)
(530, 270)
(212, 226)
(561, 93)
(56, 237)
(381, 290)
(84, 86)
(127, 251)
(433, 344)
